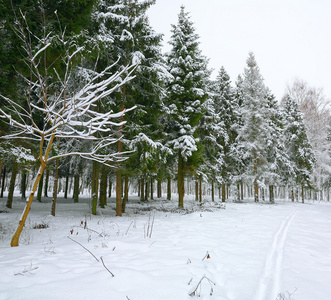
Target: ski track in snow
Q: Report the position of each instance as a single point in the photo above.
(271, 276)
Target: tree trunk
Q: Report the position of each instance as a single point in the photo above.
(142, 189)
(256, 187)
(43, 161)
(196, 189)
(303, 193)
(223, 192)
(256, 191)
(3, 181)
(126, 192)
(169, 189)
(23, 184)
(159, 188)
(103, 186)
(146, 189)
(16, 236)
(212, 191)
(95, 186)
(181, 187)
(40, 187)
(118, 191)
(118, 170)
(152, 188)
(46, 183)
(0, 173)
(139, 183)
(271, 194)
(76, 188)
(200, 189)
(242, 191)
(12, 185)
(238, 191)
(56, 179)
(66, 187)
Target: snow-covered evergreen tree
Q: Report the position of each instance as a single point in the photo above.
(211, 159)
(278, 163)
(297, 145)
(226, 107)
(187, 93)
(123, 25)
(252, 134)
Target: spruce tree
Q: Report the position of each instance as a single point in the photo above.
(124, 26)
(279, 165)
(187, 93)
(226, 106)
(297, 145)
(252, 134)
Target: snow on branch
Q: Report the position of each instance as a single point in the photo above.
(66, 114)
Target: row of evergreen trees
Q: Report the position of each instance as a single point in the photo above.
(185, 125)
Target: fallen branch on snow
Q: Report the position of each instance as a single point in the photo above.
(106, 267)
(93, 256)
(84, 248)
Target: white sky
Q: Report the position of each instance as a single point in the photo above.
(290, 38)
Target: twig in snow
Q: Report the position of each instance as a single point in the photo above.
(197, 293)
(151, 244)
(150, 235)
(84, 248)
(150, 224)
(286, 296)
(27, 270)
(106, 267)
(128, 228)
(206, 256)
(89, 229)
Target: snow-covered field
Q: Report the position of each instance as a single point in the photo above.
(239, 251)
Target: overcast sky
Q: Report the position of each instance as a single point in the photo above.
(290, 38)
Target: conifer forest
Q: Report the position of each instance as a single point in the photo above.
(128, 172)
(90, 104)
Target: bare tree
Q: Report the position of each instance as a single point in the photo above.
(316, 110)
(67, 114)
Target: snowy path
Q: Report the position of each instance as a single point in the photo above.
(270, 286)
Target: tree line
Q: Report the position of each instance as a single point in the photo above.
(86, 92)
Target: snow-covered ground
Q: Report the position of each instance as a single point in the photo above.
(239, 251)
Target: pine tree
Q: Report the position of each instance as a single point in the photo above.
(297, 145)
(187, 93)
